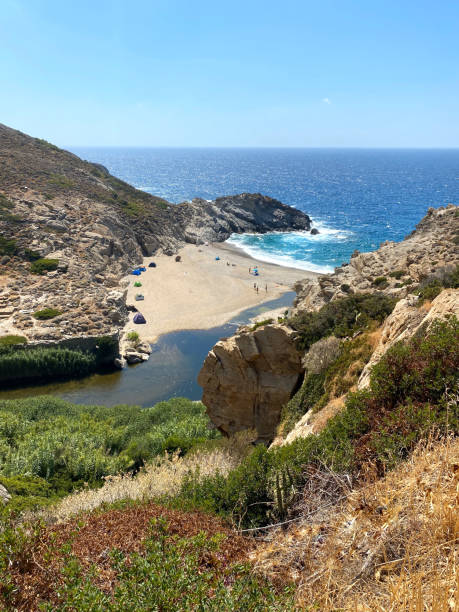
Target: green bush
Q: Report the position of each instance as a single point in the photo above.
(261, 324)
(433, 285)
(397, 274)
(31, 255)
(41, 266)
(46, 313)
(7, 247)
(43, 363)
(11, 340)
(133, 336)
(67, 444)
(171, 573)
(61, 181)
(381, 282)
(341, 317)
(305, 399)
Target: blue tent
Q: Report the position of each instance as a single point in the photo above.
(142, 269)
(152, 264)
(136, 272)
(217, 259)
(139, 318)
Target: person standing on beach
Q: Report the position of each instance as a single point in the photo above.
(266, 288)
(257, 288)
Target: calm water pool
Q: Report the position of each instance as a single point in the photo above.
(171, 370)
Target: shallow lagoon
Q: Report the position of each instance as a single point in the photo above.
(171, 370)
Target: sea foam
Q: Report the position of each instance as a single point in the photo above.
(292, 249)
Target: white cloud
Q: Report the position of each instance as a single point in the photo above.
(326, 100)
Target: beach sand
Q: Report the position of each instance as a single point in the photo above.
(199, 292)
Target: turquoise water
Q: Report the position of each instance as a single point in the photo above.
(357, 198)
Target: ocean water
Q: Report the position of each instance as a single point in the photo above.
(357, 198)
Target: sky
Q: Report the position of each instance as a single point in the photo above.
(328, 73)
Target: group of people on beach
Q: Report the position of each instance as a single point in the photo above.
(257, 288)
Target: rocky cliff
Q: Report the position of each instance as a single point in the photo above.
(54, 205)
(395, 268)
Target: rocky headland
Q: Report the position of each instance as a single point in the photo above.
(91, 229)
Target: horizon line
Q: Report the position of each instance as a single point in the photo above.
(371, 148)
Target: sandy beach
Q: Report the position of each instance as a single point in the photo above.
(200, 292)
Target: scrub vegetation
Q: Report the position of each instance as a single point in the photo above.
(49, 447)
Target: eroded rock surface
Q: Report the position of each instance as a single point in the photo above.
(406, 319)
(393, 267)
(247, 379)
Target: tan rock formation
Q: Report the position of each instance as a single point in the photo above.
(405, 320)
(247, 379)
(394, 266)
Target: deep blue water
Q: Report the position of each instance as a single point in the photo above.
(356, 197)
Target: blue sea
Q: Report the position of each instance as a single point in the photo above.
(357, 198)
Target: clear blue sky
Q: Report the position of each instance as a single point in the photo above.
(237, 73)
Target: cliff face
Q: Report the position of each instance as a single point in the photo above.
(55, 205)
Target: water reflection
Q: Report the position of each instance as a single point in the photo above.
(171, 370)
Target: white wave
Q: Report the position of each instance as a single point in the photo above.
(279, 259)
(329, 232)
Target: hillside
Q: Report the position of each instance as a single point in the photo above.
(91, 228)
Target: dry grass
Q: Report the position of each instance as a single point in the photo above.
(388, 546)
(162, 477)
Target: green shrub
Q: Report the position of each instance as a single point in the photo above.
(67, 444)
(381, 282)
(133, 336)
(46, 313)
(11, 340)
(61, 181)
(106, 348)
(41, 266)
(305, 399)
(397, 274)
(433, 285)
(261, 324)
(44, 363)
(341, 317)
(171, 573)
(7, 247)
(31, 255)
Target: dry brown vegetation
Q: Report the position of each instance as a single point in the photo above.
(164, 476)
(390, 545)
(38, 575)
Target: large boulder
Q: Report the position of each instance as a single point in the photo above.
(247, 379)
